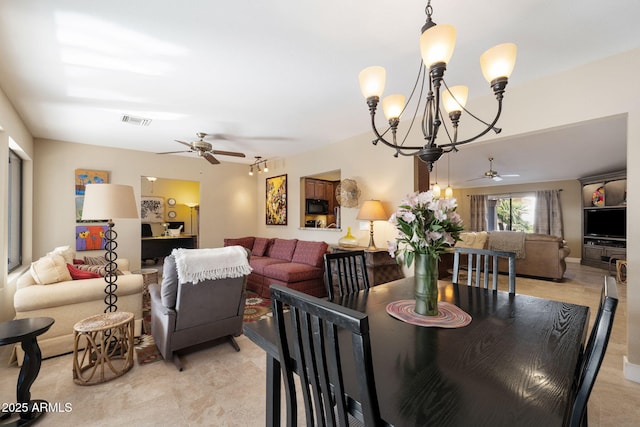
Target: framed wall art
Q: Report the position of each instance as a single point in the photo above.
(90, 237)
(152, 209)
(88, 176)
(276, 200)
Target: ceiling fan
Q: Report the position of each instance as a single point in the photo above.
(205, 149)
(492, 174)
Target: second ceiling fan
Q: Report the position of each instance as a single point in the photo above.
(204, 149)
(493, 174)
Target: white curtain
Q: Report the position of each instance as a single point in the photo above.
(478, 213)
(548, 215)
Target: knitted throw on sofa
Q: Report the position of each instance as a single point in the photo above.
(197, 265)
(509, 241)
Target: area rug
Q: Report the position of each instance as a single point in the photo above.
(256, 307)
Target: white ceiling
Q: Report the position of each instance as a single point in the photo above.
(281, 76)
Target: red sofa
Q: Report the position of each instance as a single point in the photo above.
(296, 264)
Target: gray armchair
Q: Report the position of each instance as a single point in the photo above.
(187, 314)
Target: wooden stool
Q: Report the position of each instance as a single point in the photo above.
(621, 271)
(108, 347)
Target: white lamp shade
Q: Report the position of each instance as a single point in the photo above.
(372, 81)
(372, 210)
(436, 190)
(448, 192)
(437, 44)
(498, 61)
(455, 98)
(392, 106)
(109, 201)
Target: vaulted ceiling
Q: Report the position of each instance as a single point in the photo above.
(280, 77)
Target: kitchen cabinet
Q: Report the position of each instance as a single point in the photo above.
(315, 189)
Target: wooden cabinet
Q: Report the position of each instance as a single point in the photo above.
(315, 189)
(604, 218)
(381, 268)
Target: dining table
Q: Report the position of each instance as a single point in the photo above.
(514, 364)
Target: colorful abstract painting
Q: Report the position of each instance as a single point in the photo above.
(87, 176)
(90, 237)
(276, 208)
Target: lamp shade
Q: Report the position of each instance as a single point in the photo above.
(498, 61)
(455, 98)
(109, 201)
(437, 44)
(392, 106)
(372, 80)
(372, 210)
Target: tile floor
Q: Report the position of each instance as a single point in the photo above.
(220, 387)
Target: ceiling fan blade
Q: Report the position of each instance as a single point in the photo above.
(183, 143)
(509, 175)
(228, 153)
(210, 158)
(497, 178)
(475, 179)
(174, 152)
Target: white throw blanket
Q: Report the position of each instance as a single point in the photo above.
(508, 241)
(197, 265)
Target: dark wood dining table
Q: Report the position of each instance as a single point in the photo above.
(515, 364)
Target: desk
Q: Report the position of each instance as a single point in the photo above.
(25, 331)
(160, 247)
(514, 364)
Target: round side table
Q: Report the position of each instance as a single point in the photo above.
(25, 332)
(103, 347)
(149, 276)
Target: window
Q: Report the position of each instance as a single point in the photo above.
(510, 213)
(15, 211)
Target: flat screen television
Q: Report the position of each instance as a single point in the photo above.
(606, 222)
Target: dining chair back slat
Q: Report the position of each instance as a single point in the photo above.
(347, 270)
(311, 330)
(482, 263)
(594, 351)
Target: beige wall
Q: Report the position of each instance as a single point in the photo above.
(227, 193)
(570, 199)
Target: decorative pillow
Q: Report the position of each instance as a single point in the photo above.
(66, 252)
(310, 253)
(77, 274)
(50, 269)
(245, 242)
(95, 260)
(99, 269)
(77, 261)
(282, 249)
(472, 239)
(169, 287)
(260, 246)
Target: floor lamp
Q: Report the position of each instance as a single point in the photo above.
(102, 201)
(372, 210)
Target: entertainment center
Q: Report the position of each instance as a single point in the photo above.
(604, 218)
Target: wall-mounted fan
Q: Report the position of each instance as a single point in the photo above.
(204, 149)
(493, 174)
(347, 193)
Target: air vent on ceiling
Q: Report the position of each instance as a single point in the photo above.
(138, 121)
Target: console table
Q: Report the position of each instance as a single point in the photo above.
(25, 332)
(381, 268)
(160, 247)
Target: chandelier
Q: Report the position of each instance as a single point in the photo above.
(436, 45)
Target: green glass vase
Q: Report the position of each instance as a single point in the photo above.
(426, 277)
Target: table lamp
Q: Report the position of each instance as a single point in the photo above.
(104, 202)
(372, 210)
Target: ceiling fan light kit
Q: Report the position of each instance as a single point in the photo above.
(437, 43)
(204, 149)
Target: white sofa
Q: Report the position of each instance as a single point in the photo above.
(71, 301)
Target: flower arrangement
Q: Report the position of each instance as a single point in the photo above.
(426, 225)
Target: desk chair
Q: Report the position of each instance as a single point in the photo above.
(349, 271)
(311, 331)
(483, 259)
(594, 352)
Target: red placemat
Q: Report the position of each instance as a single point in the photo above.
(449, 315)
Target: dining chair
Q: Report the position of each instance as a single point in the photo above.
(348, 270)
(595, 350)
(308, 346)
(479, 262)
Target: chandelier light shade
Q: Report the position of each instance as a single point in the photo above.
(437, 43)
(372, 210)
(106, 202)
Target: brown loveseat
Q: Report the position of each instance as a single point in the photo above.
(544, 255)
(296, 264)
